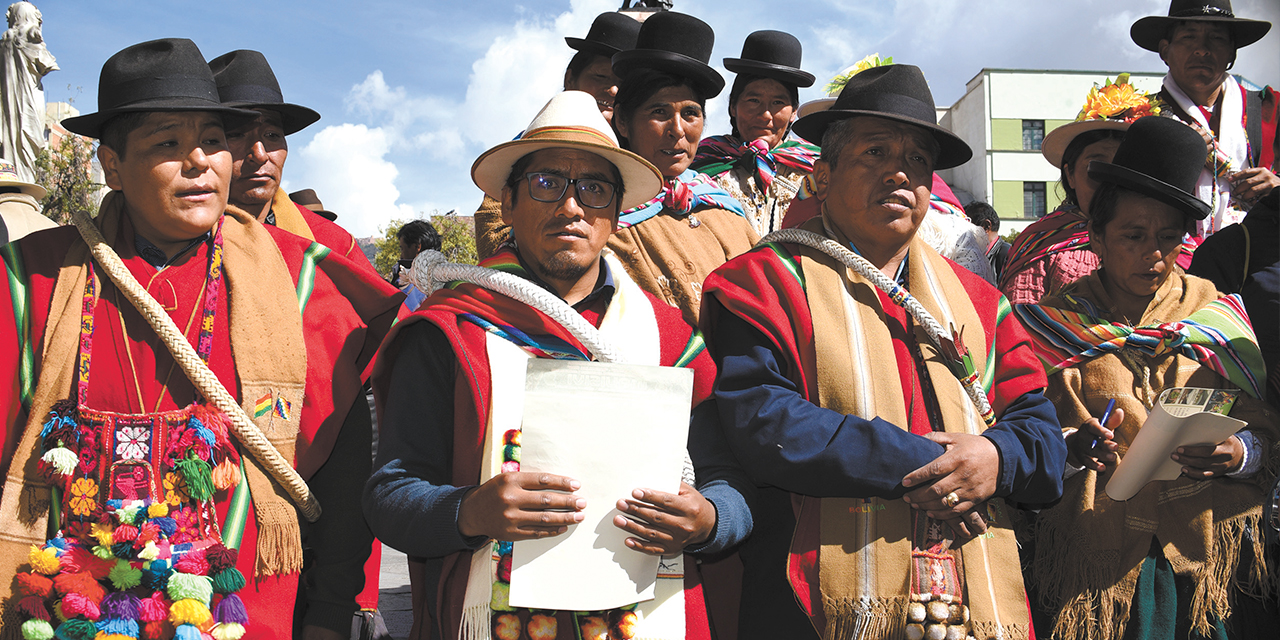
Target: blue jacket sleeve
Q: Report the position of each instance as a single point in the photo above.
(408, 500)
(1032, 451)
(788, 442)
(721, 480)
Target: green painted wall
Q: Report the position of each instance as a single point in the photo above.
(1050, 125)
(1053, 195)
(1006, 195)
(1006, 135)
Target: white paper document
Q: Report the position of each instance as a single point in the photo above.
(1182, 417)
(614, 428)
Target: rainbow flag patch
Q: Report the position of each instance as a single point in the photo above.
(282, 408)
(262, 406)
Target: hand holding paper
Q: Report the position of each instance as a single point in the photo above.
(664, 524)
(1209, 461)
(521, 506)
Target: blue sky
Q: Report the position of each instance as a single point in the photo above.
(411, 91)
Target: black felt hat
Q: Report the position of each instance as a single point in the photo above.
(160, 75)
(895, 92)
(1149, 31)
(771, 54)
(610, 33)
(246, 80)
(1160, 158)
(678, 44)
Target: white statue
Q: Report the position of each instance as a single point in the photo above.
(25, 62)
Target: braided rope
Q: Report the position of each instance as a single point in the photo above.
(972, 385)
(197, 371)
(431, 271)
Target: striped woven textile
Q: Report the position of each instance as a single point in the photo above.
(1218, 336)
(719, 154)
(681, 195)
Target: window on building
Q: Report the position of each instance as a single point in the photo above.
(1032, 134)
(1034, 204)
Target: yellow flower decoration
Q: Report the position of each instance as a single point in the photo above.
(175, 488)
(84, 494)
(1118, 100)
(837, 83)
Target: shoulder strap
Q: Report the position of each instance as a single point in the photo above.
(1253, 124)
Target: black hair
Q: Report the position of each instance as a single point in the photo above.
(579, 62)
(840, 133)
(740, 84)
(521, 167)
(1072, 154)
(641, 85)
(1106, 201)
(983, 215)
(115, 132)
(420, 233)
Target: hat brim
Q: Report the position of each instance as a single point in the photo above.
(708, 82)
(777, 72)
(1056, 142)
(641, 180)
(952, 150)
(814, 106)
(293, 117)
(591, 46)
(90, 125)
(1149, 31)
(1146, 185)
(34, 190)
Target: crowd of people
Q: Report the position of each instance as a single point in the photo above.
(900, 426)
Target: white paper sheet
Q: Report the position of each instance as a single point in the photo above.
(1148, 456)
(614, 428)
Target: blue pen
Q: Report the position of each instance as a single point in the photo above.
(1106, 415)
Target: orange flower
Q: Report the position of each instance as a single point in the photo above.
(175, 488)
(84, 493)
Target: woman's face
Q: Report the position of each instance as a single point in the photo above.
(666, 129)
(1138, 249)
(763, 111)
(1101, 151)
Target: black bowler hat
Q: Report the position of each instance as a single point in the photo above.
(1159, 158)
(678, 44)
(895, 92)
(161, 75)
(1149, 31)
(610, 33)
(245, 80)
(771, 54)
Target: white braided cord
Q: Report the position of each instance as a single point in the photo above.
(197, 371)
(886, 284)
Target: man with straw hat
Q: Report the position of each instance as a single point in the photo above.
(1198, 41)
(19, 205)
(884, 395)
(154, 460)
(448, 487)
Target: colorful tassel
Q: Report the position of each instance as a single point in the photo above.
(37, 629)
(186, 632)
(189, 611)
(184, 586)
(231, 609)
(198, 475)
(125, 576)
(149, 551)
(124, 533)
(119, 627)
(81, 584)
(157, 630)
(74, 604)
(192, 563)
(34, 584)
(226, 475)
(167, 526)
(228, 581)
(103, 533)
(220, 557)
(33, 607)
(44, 560)
(153, 609)
(76, 629)
(228, 631)
(121, 604)
(61, 460)
(158, 510)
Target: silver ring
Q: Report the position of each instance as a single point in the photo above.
(951, 499)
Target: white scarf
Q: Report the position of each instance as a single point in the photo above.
(1232, 140)
(631, 326)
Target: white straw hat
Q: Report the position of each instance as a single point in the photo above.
(571, 120)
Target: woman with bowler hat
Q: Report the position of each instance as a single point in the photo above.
(670, 244)
(1181, 558)
(755, 162)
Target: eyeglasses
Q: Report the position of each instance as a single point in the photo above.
(590, 192)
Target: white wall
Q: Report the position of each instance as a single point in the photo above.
(968, 119)
(1022, 165)
(1052, 95)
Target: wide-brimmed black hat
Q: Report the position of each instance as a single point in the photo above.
(1149, 31)
(1160, 158)
(169, 74)
(678, 44)
(246, 80)
(610, 33)
(894, 92)
(771, 54)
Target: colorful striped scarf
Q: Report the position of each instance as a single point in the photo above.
(719, 154)
(681, 195)
(1218, 336)
(1066, 229)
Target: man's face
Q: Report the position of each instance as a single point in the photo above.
(598, 80)
(258, 150)
(878, 192)
(1198, 54)
(174, 175)
(561, 241)
(408, 251)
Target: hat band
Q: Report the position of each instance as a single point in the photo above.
(251, 94)
(167, 87)
(892, 104)
(571, 134)
(1202, 11)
